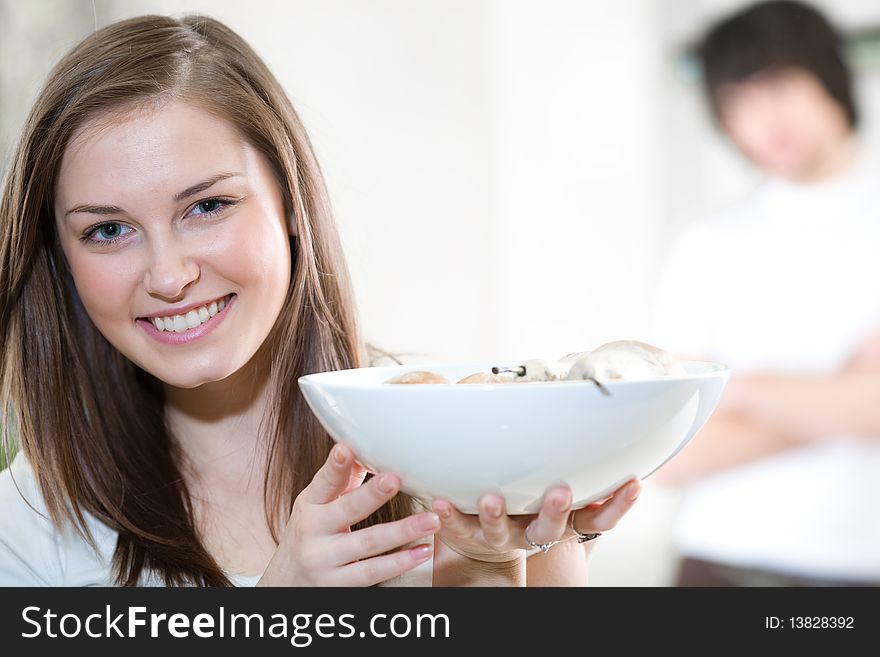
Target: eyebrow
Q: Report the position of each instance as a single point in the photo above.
(192, 190)
(202, 186)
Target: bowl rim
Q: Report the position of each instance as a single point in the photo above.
(713, 370)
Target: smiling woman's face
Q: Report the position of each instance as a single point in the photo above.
(174, 230)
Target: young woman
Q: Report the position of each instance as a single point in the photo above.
(169, 267)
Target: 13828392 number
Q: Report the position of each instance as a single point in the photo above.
(821, 622)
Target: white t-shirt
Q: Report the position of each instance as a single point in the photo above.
(33, 552)
(787, 281)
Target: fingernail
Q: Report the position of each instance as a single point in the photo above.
(386, 484)
(427, 523)
(443, 509)
(338, 456)
(632, 491)
(493, 509)
(421, 552)
(561, 502)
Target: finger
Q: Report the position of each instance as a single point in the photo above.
(370, 572)
(453, 521)
(550, 525)
(379, 539)
(333, 477)
(601, 518)
(494, 522)
(359, 503)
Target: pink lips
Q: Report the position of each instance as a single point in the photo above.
(172, 337)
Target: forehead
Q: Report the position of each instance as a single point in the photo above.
(156, 149)
(770, 79)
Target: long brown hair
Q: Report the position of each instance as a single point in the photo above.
(90, 422)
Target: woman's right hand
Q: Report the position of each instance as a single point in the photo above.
(318, 547)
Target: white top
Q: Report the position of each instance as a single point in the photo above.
(33, 552)
(787, 281)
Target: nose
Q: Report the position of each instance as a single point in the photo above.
(171, 270)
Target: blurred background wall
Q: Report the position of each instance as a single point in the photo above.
(507, 174)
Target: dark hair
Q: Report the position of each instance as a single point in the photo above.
(776, 35)
(90, 422)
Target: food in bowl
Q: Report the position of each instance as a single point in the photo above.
(419, 377)
(485, 378)
(534, 370)
(458, 442)
(622, 359)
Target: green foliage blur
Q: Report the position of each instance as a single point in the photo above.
(3, 462)
(9, 450)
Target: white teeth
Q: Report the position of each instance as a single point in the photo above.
(192, 319)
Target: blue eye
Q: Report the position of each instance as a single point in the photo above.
(106, 233)
(210, 207)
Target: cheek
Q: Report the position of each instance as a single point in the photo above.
(255, 252)
(752, 136)
(773, 135)
(806, 117)
(105, 285)
(816, 122)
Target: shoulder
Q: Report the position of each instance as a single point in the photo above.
(27, 542)
(33, 550)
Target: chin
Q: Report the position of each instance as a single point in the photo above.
(188, 384)
(788, 169)
(191, 381)
(790, 165)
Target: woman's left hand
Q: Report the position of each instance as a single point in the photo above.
(493, 536)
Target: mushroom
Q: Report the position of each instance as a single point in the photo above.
(570, 358)
(625, 359)
(418, 377)
(485, 378)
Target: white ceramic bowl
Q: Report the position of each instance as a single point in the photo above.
(461, 441)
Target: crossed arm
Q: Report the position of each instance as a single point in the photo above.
(762, 414)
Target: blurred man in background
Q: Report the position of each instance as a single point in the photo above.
(783, 483)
